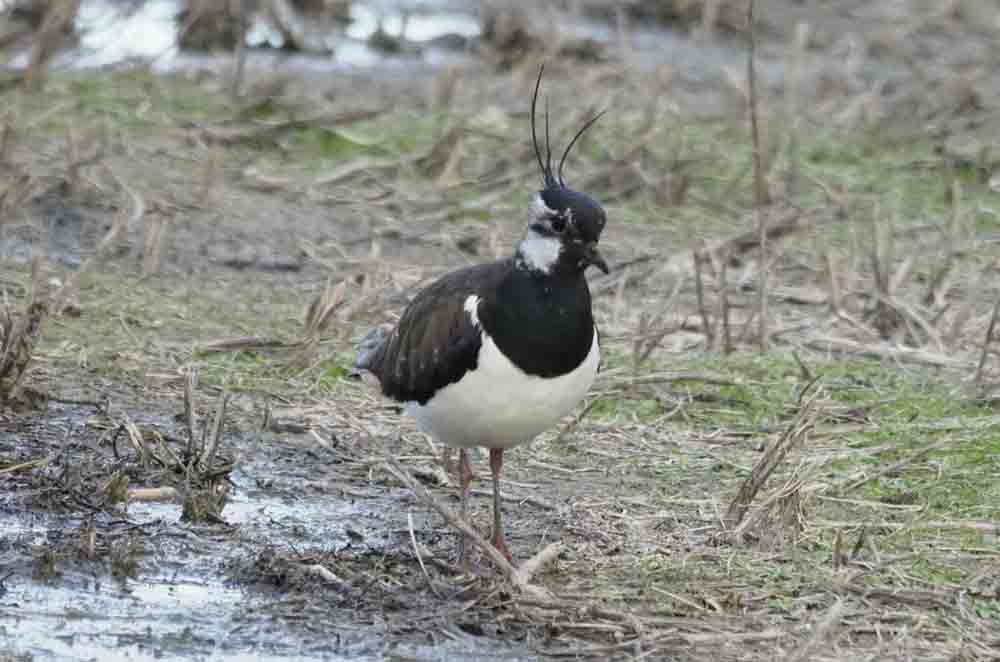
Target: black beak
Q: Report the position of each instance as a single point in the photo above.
(593, 256)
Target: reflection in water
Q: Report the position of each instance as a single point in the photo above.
(109, 35)
(113, 32)
(410, 26)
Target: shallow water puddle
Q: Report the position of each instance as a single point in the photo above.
(185, 603)
(112, 33)
(106, 620)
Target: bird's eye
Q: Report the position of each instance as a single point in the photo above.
(558, 223)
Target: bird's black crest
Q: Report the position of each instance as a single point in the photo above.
(588, 215)
(552, 179)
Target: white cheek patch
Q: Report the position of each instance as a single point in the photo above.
(539, 253)
(539, 209)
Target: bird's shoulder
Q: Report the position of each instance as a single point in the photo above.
(447, 296)
(437, 339)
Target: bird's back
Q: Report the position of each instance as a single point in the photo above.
(436, 341)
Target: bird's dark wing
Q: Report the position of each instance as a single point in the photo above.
(435, 342)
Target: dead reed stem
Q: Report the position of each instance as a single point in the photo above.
(727, 336)
(986, 343)
(153, 494)
(770, 460)
(760, 197)
(190, 382)
(212, 438)
(241, 50)
(823, 631)
(699, 289)
(56, 23)
(545, 556)
(152, 245)
(17, 344)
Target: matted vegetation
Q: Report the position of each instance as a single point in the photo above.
(833, 497)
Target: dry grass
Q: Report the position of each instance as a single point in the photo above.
(19, 335)
(831, 498)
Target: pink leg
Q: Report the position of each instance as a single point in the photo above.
(464, 481)
(496, 464)
(449, 466)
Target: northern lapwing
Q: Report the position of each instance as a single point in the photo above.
(494, 354)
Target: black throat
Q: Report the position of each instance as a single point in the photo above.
(543, 323)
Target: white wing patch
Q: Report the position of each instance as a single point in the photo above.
(471, 306)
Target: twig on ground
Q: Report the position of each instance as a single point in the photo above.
(538, 502)
(30, 464)
(830, 343)
(769, 461)
(896, 466)
(679, 598)
(243, 344)
(823, 630)
(270, 131)
(529, 568)
(491, 552)
(153, 494)
(609, 380)
(992, 528)
(322, 572)
(420, 558)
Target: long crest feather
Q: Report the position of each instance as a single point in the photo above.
(547, 178)
(579, 133)
(548, 146)
(550, 179)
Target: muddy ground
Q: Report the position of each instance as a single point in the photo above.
(185, 232)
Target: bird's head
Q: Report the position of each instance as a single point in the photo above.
(564, 225)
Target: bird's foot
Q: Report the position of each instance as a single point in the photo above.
(501, 546)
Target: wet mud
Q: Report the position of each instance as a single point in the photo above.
(84, 578)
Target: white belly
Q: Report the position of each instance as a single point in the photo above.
(497, 405)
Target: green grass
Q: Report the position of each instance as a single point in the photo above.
(617, 408)
(657, 485)
(911, 180)
(903, 412)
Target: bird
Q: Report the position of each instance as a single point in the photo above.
(494, 354)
